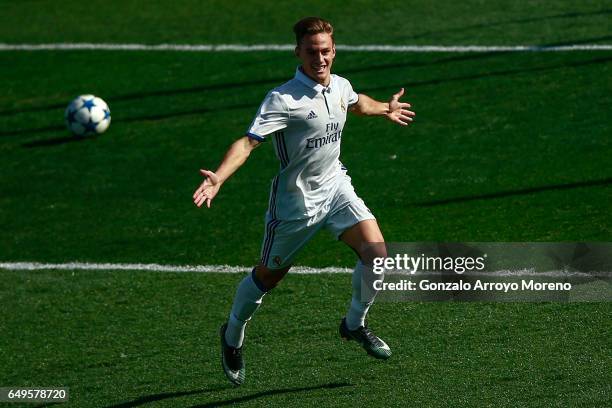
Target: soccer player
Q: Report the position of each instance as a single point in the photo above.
(304, 118)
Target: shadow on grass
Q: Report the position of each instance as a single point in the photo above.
(510, 193)
(501, 73)
(583, 41)
(278, 80)
(462, 57)
(230, 85)
(141, 118)
(41, 129)
(200, 111)
(159, 93)
(165, 395)
(257, 395)
(498, 24)
(236, 85)
(57, 141)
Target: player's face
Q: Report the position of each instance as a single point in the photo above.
(317, 53)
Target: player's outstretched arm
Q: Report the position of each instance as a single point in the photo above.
(235, 157)
(394, 110)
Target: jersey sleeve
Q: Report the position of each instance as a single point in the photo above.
(351, 95)
(272, 116)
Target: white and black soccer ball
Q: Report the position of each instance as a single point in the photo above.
(87, 115)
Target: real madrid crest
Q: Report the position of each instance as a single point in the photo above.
(342, 106)
(277, 260)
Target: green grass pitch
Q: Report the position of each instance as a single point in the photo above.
(505, 147)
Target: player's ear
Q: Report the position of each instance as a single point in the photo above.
(297, 51)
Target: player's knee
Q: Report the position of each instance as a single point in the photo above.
(371, 251)
(270, 277)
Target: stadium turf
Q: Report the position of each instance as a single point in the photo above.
(129, 339)
(505, 147)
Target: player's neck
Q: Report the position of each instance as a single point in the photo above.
(325, 82)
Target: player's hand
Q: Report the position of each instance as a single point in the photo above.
(208, 189)
(398, 111)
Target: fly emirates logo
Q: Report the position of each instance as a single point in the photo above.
(333, 133)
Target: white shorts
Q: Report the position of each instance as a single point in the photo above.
(284, 239)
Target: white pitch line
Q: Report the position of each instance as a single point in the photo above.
(300, 270)
(289, 47)
(86, 266)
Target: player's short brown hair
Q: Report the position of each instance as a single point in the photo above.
(310, 26)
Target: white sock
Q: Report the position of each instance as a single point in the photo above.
(360, 302)
(248, 297)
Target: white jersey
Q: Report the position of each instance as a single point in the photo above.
(305, 120)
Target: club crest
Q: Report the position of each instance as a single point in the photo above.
(277, 260)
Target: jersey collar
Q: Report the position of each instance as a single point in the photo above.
(303, 78)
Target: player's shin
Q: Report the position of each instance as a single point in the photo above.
(362, 299)
(249, 295)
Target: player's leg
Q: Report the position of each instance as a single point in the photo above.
(248, 298)
(351, 221)
(269, 278)
(282, 241)
(366, 239)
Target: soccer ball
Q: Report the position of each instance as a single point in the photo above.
(87, 115)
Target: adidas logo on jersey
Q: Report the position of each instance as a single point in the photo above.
(311, 115)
